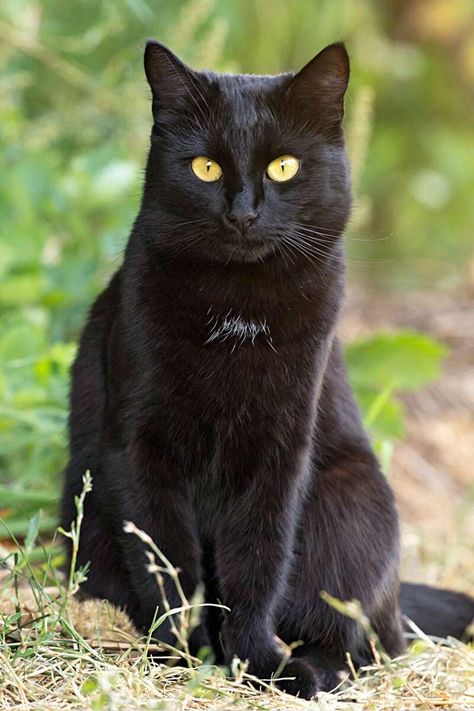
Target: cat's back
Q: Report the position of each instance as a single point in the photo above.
(88, 388)
(88, 395)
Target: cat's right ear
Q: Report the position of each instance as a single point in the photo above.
(170, 80)
(317, 91)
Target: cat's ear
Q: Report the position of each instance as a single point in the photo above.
(169, 78)
(318, 89)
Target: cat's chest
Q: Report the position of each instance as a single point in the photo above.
(237, 366)
(237, 330)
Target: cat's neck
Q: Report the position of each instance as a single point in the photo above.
(248, 287)
(253, 303)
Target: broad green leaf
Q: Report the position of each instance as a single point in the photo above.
(389, 420)
(404, 360)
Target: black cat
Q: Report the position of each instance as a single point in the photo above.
(210, 400)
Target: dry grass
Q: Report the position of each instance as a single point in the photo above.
(436, 679)
(88, 657)
(61, 653)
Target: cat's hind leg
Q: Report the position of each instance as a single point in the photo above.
(347, 546)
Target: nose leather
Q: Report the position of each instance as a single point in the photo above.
(242, 209)
(242, 219)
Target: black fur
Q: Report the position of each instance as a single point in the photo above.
(439, 613)
(209, 397)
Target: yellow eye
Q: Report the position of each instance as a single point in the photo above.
(283, 168)
(206, 169)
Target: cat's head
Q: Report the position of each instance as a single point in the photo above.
(245, 168)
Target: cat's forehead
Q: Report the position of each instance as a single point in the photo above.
(246, 100)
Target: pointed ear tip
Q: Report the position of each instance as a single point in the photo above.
(151, 45)
(338, 56)
(340, 45)
(154, 58)
(339, 49)
(151, 59)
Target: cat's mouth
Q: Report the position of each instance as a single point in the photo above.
(246, 248)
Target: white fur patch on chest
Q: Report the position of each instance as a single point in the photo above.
(237, 329)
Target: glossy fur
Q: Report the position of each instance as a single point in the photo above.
(209, 397)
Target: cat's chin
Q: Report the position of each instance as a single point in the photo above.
(246, 253)
(250, 255)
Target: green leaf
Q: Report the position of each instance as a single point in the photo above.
(419, 646)
(22, 289)
(383, 415)
(89, 685)
(404, 360)
(102, 701)
(33, 530)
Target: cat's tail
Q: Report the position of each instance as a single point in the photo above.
(438, 613)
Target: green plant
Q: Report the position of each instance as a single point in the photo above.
(383, 366)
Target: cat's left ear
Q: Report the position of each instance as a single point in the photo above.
(172, 83)
(318, 89)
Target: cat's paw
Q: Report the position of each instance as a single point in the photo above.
(330, 678)
(299, 679)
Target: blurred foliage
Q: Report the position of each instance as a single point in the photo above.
(74, 126)
(388, 363)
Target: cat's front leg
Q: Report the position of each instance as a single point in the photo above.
(141, 486)
(253, 549)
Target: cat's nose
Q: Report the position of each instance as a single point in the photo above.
(242, 220)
